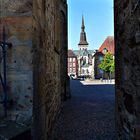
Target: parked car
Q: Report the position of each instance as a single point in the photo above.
(73, 76)
(81, 77)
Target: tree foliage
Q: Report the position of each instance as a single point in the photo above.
(107, 64)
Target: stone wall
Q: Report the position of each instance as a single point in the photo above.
(49, 44)
(127, 42)
(18, 29)
(37, 60)
(63, 51)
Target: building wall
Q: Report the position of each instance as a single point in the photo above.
(18, 30)
(63, 42)
(37, 60)
(97, 61)
(98, 73)
(127, 43)
(73, 65)
(50, 63)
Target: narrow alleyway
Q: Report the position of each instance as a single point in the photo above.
(89, 115)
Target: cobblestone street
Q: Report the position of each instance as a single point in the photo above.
(89, 114)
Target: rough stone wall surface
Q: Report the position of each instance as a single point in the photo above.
(63, 51)
(18, 28)
(47, 60)
(127, 41)
(15, 8)
(37, 60)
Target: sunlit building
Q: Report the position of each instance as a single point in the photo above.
(84, 55)
(106, 47)
(72, 64)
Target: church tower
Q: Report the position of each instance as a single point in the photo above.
(83, 44)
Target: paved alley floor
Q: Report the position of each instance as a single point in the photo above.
(89, 114)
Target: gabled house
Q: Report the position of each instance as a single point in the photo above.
(106, 47)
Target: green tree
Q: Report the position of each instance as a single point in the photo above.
(107, 64)
(112, 68)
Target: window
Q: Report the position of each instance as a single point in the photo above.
(70, 70)
(73, 64)
(70, 64)
(100, 71)
(70, 59)
(74, 70)
(105, 50)
(87, 71)
(100, 58)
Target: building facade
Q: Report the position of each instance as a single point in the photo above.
(106, 47)
(97, 58)
(72, 64)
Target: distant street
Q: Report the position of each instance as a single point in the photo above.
(89, 114)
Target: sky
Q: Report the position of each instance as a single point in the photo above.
(98, 18)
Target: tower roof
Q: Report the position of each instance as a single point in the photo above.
(83, 40)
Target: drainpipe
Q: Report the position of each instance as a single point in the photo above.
(3, 80)
(3, 44)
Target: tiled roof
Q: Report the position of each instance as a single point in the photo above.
(83, 52)
(108, 44)
(71, 53)
(76, 52)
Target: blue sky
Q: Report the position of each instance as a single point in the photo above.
(98, 17)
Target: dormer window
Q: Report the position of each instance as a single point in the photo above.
(104, 51)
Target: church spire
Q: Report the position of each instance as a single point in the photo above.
(83, 41)
(83, 26)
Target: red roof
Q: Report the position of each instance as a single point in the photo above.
(71, 53)
(108, 44)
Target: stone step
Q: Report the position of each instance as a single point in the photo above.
(10, 130)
